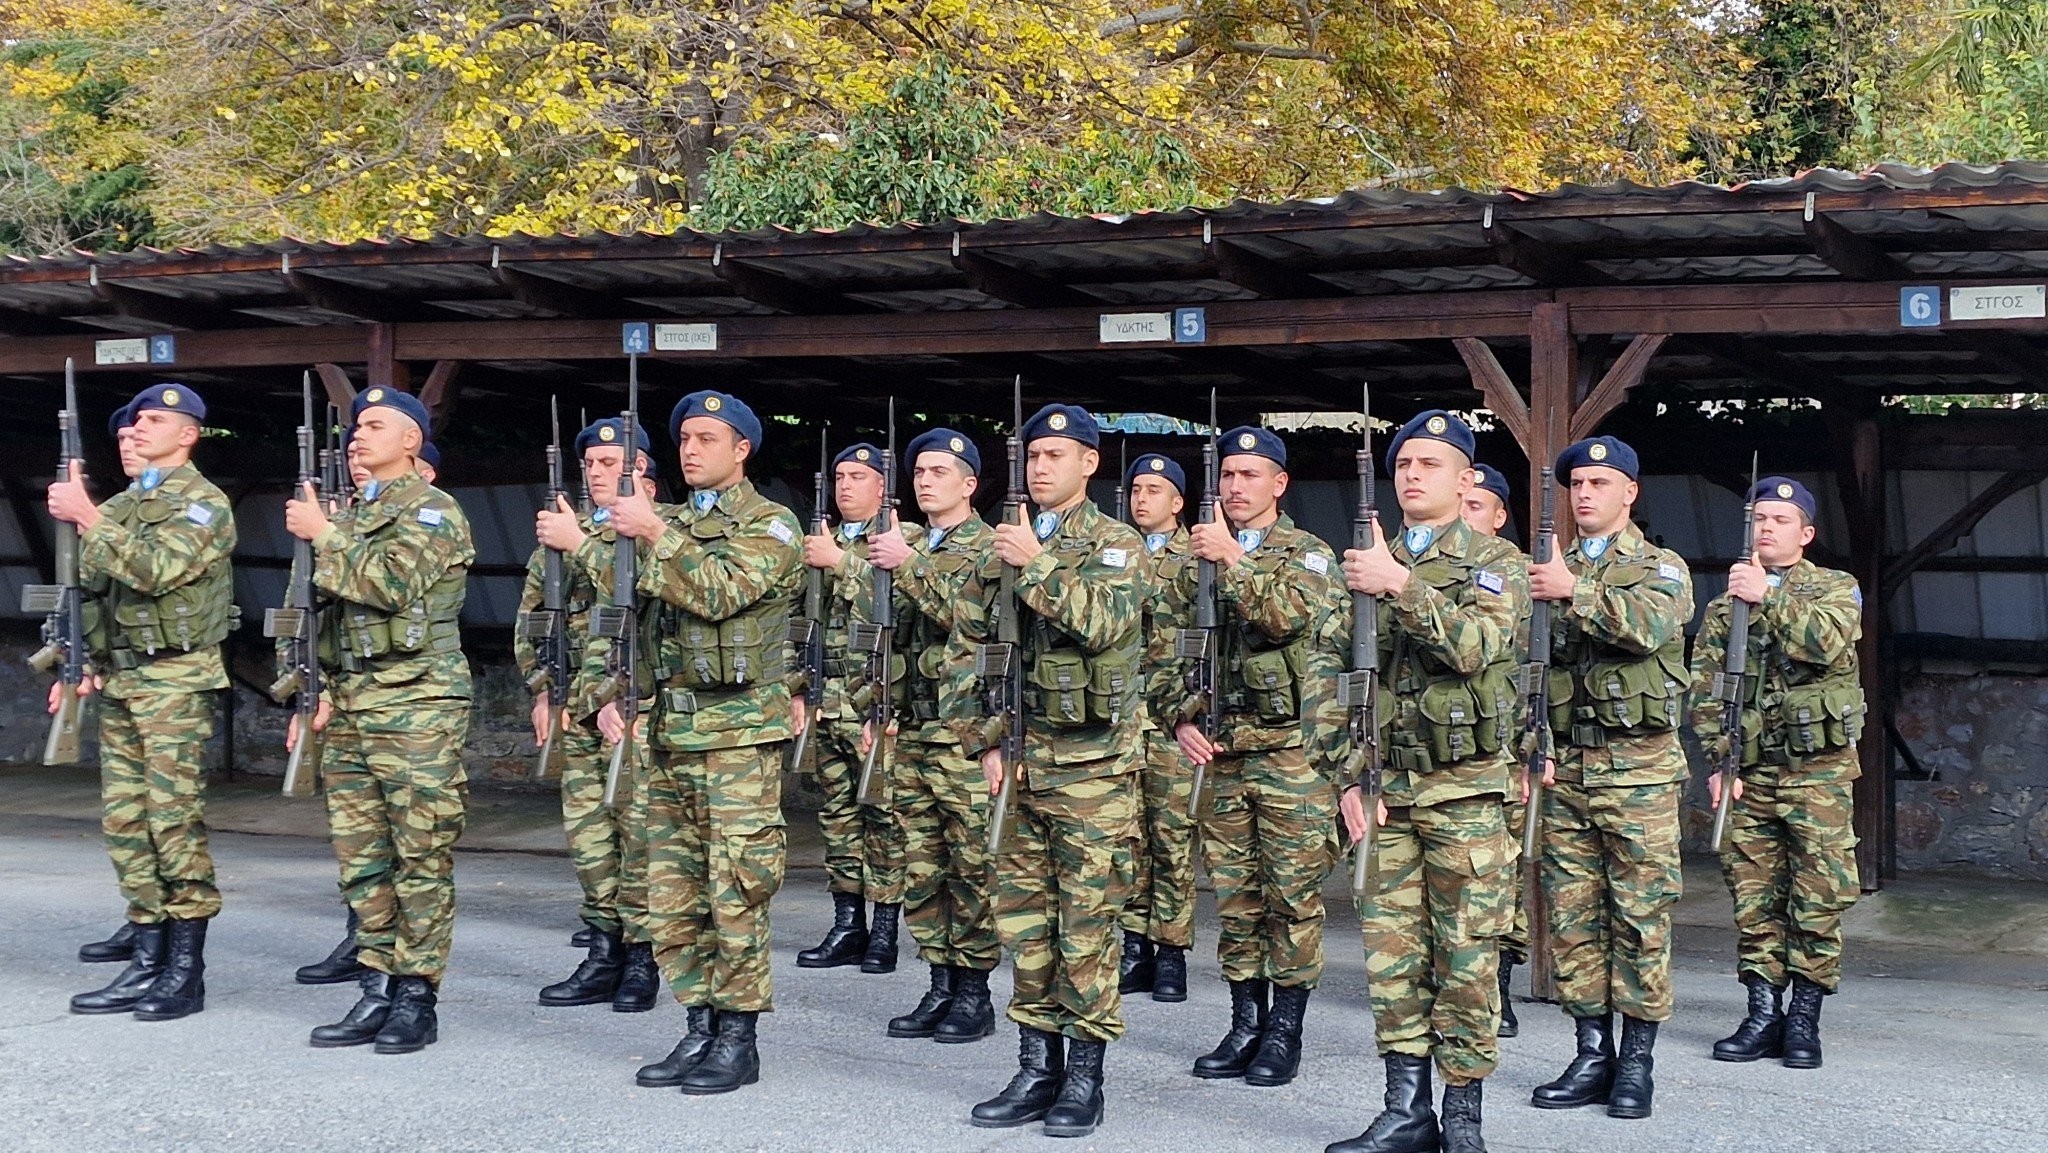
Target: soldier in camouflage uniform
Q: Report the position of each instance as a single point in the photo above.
(154, 558)
(1449, 603)
(1610, 822)
(1790, 846)
(1066, 867)
(863, 843)
(1485, 511)
(1159, 919)
(395, 714)
(1265, 832)
(606, 845)
(719, 579)
(938, 790)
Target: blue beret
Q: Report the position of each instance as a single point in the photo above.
(945, 440)
(1244, 440)
(719, 406)
(123, 417)
(1436, 424)
(606, 433)
(1066, 420)
(1492, 481)
(863, 454)
(169, 397)
(1153, 464)
(430, 456)
(1602, 450)
(391, 398)
(1786, 489)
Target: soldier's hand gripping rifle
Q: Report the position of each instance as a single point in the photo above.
(297, 624)
(807, 633)
(1733, 678)
(1358, 687)
(1537, 738)
(1001, 665)
(877, 638)
(1198, 645)
(548, 628)
(62, 605)
(619, 620)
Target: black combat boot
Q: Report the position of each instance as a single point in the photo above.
(596, 978)
(180, 990)
(931, 1009)
(1802, 1025)
(639, 980)
(119, 947)
(880, 956)
(1041, 1065)
(1279, 1054)
(1509, 1026)
(1633, 1085)
(1136, 970)
(971, 1017)
(1077, 1110)
(1407, 1124)
(731, 1061)
(363, 1020)
(1762, 1033)
(1461, 1119)
(1590, 1076)
(1170, 974)
(343, 964)
(670, 1071)
(411, 1024)
(135, 980)
(1234, 1054)
(580, 939)
(846, 941)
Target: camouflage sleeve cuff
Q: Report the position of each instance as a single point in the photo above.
(1585, 596)
(1041, 566)
(671, 541)
(329, 540)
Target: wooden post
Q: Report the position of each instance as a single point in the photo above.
(1860, 477)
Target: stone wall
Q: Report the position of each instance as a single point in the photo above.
(1984, 739)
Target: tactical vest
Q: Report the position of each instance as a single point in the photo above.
(1442, 717)
(923, 641)
(692, 655)
(355, 636)
(1598, 690)
(1261, 680)
(1792, 710)
(1070, 689)
(196, 615)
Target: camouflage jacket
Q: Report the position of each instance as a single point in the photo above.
(928, 588)
(394, 567)
(1448, 656)
(1167, 611)
(160, 555)
(843, 585)
(1618, 651)
(1081, 598)
(586, 584)
(727, 579)
(1803, 703)
(1270, 604)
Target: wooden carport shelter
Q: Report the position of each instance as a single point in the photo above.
(1548, 309)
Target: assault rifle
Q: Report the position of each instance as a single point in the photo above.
(1198, 645)
(63, 604)
(298, 624)
(618, 621)
(877, 638)
(807, 633)
(549, 627)
(1730, 681)
(1001, 665)
(1358, 688)
(1538, 739)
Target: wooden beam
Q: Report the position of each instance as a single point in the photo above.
(385, 369)
(1624, 374)
(560, 297)
(440, 392)
(1503, 399)
(1543, 263)
(348, 300)
(1850, 253)
(1268, 277)
(341, 392)
(156, 308)
(1958, 525)
(750, 281)
(1006, 282)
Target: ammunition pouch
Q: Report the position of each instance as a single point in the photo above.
(1632, 695)
(1070, 689)
(1814, 718)
(734, 653)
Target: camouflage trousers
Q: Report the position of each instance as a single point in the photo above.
(152, 793)
(1610, 873)
(396, 799)
(942, 800)
(1162, 904)
(1266, 840)
(1059, 885)
(1432, 934)
(1790, 861)
(863, 843)
(716, 853)
(1515, 942)
(606, 845)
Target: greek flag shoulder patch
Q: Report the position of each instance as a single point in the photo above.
(781, 532)
(431, 517)
(1116, 557)
(1316, 563)
(1490, 581)
(1670, 572)
(199, 514)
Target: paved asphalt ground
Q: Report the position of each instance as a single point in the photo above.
(1926, 1053)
